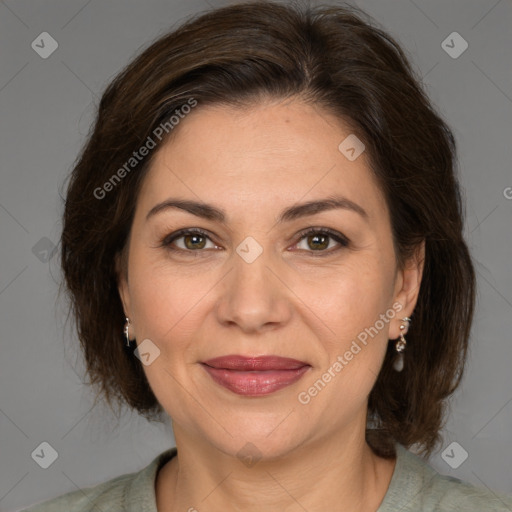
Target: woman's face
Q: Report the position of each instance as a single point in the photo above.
(254, 285)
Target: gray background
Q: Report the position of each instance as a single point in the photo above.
(46, 107)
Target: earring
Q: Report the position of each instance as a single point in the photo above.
(398, 363)
(126, 331)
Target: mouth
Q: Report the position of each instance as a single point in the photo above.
(255, 376)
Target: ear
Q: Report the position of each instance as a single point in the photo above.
(122, 281)
(407, 287)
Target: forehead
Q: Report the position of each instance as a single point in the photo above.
(260, 158)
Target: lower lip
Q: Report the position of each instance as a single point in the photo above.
(255, 383)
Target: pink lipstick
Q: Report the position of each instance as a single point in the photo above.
(255, 376)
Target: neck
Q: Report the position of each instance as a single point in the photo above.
(344, 471)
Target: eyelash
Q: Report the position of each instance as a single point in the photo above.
(338, 237)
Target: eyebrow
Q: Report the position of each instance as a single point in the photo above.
(210, 212)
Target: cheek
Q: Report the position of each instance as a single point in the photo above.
(167, 305)
(353, 345)
(354, 305)
(350, 297)
(168, 302)
(153, 295)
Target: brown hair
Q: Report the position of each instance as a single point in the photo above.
(331, 56)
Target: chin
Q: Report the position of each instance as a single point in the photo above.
(266, 438)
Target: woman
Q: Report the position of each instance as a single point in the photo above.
(267, 211)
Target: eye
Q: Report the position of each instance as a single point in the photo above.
(193, 239)
(318, 240)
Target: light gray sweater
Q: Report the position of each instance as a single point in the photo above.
(414, 487)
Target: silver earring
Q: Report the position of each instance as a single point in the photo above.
(126, 331)
(398, 363)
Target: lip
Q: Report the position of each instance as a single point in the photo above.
(255, 376)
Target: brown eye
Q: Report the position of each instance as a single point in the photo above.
(188, 240)
(320, 239)
(194, 241)
(317, 242)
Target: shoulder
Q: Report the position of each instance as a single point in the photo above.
(451, 494)
(130, 491)
(415, 485)
(108, 493)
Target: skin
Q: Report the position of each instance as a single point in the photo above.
(202, 303)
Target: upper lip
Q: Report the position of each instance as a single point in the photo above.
(248, 363)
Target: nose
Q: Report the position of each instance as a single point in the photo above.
(254, 296)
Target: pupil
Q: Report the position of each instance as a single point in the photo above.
(315, 238)
(194, 238)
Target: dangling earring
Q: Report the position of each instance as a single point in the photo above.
(398, 363)
(126, 331)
